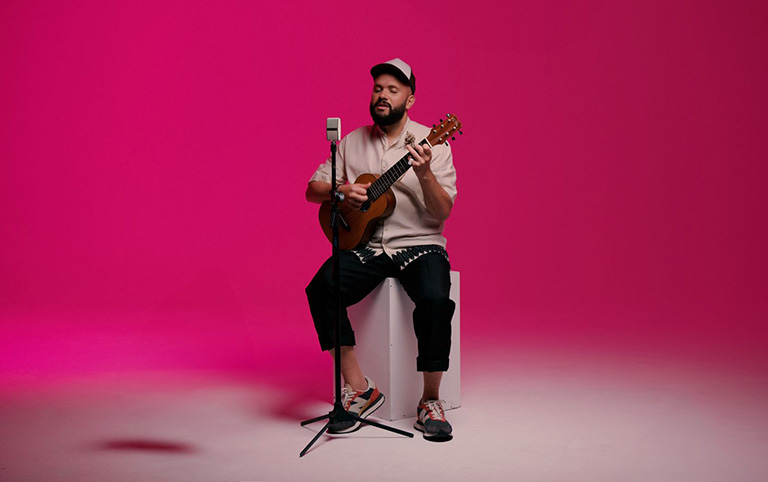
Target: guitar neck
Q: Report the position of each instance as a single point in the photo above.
(385, 181)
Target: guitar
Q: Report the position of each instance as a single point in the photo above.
(357, 224)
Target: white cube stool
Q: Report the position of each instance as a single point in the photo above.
(386, 349)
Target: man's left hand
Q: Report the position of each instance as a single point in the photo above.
(421, 156)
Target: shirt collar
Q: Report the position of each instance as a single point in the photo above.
(383, 135)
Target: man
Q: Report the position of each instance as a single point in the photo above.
(407, 245)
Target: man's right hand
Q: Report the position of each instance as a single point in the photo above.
(355, 194)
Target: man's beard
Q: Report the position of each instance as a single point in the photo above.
(394, 115)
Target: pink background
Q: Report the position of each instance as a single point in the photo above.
(612, 174)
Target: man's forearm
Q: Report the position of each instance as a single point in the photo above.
(318, 191)
(437, 201)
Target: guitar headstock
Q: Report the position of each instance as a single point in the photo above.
(446, 129)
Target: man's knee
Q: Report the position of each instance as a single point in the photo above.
(320, 285)
(435, 302)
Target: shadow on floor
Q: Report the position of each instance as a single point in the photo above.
(146, 445)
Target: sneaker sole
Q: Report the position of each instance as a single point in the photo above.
(364, 414)
(438, 437)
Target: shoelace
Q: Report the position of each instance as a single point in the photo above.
(435, 408)
(347, 394)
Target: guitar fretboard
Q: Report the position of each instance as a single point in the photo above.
(390, 177)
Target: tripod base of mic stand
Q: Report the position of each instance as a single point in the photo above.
(338, 414)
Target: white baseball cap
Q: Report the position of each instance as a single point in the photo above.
(399, 69)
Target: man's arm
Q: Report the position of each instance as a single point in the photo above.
(438, 202)
(318, 191)
(354, 194)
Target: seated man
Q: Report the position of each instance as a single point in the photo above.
(407, 245)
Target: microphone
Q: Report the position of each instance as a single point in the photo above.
(332, 128)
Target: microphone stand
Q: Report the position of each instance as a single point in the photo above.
(338, 413)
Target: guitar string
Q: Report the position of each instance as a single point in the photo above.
(383, 183)
(378, 188)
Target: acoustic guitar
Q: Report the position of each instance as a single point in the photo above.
(356, 225)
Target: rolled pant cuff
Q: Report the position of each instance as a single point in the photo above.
(347, 339)
(431, 365)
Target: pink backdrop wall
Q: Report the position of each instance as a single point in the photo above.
(612, 175)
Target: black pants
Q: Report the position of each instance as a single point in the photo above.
(427, 282)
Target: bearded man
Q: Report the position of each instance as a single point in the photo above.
(408, 245)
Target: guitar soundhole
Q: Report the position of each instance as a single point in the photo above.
(366, 206)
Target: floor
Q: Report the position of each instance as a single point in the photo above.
(542, 414)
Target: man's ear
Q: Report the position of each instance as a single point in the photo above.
(409, 103)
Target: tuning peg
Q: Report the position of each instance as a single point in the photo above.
(461, 133)
(448, 115)
(453, 138)
(441, 121)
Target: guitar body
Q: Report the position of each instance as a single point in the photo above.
(360, 223)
